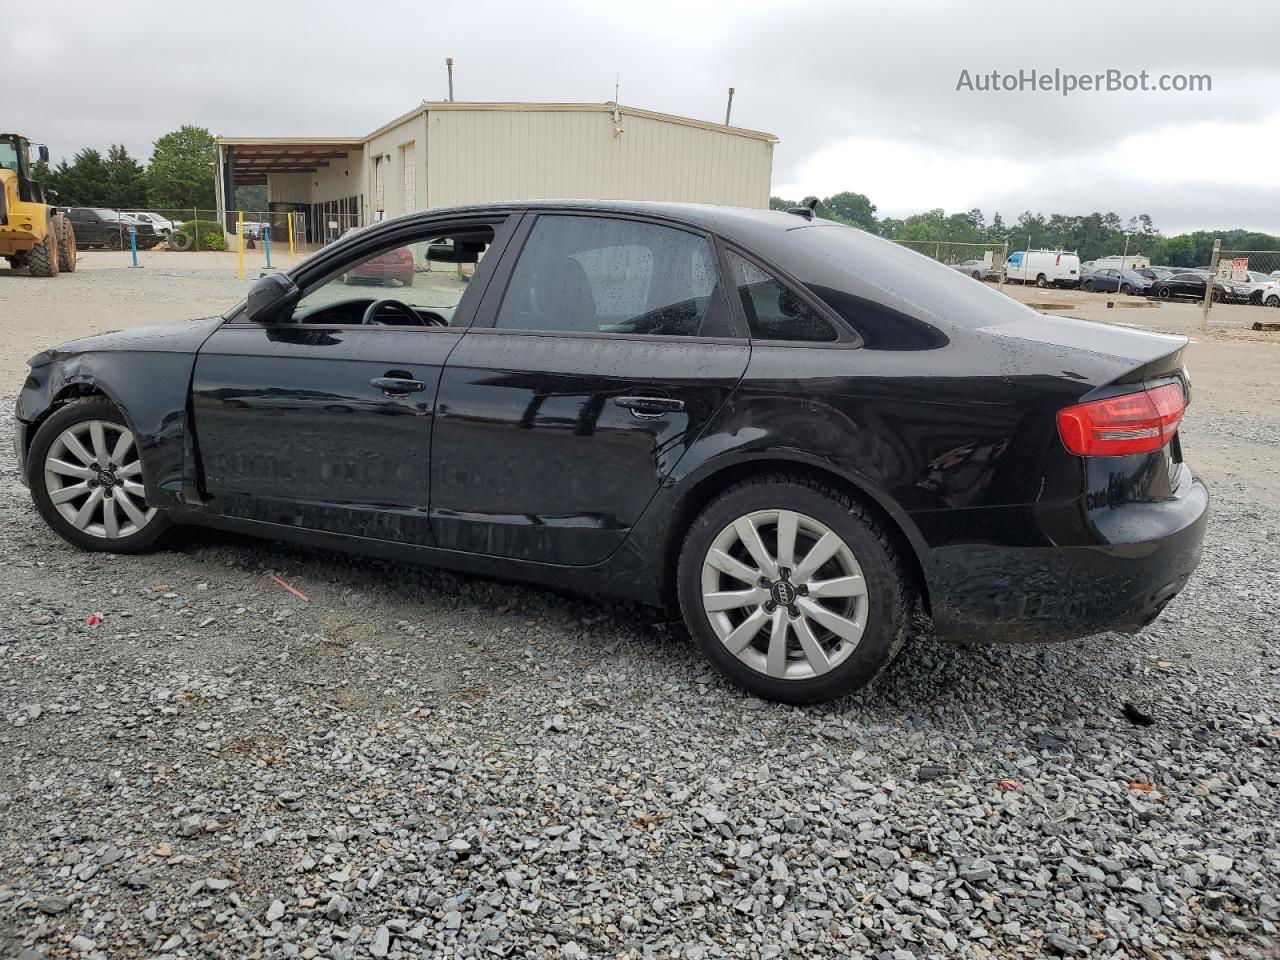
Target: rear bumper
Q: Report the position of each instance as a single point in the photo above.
(1047, 593)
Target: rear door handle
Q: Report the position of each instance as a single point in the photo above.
(394, 386)
(649, 408)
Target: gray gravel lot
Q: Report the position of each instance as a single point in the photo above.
(416, 764)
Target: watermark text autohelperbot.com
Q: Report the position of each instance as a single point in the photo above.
(1066, 83)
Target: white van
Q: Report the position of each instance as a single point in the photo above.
(1044, 268)
(1134, 261)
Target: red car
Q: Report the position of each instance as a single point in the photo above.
(393, 265)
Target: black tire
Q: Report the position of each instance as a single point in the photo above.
(114, 241)
(407, 283)
(1273, 301)
(66, 246)
(1087, 286)
(1164, 293)
(1216, 296)
(94, 408)
(891, 597)
(976, 275)
(1042, 280)
(180, 240)
(42, 259)
(1126, 289)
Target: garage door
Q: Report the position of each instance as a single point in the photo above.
(408, 156)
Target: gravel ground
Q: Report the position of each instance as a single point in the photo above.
(414, 764)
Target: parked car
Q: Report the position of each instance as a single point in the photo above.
(1111, 280)
(1044, 268)
(798, 435)
(1191, 283)
(162, 226)
(977, 269)
(1156, 273)
(100, 227)
(395, 267)
(1260, 286)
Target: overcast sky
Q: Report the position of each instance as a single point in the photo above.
(862, 95)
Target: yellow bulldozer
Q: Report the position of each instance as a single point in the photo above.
(33, 235)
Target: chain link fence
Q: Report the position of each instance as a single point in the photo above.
(1249, 278)
(191, 229)
(984, 262)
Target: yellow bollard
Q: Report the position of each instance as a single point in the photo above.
(240, 231)
(292, 257)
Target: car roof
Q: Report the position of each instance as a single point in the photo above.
(733, 221)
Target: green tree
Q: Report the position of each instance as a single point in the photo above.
(853, 208)
(81, 183)
(181, 174)
(251, 199)
(125, 186)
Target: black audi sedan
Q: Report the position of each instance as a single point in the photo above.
(799, 436)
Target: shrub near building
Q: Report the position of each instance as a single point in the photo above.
(199, 235)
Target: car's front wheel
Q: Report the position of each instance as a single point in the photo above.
(85, 472)
(792, 590)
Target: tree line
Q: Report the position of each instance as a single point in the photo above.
(179, 176)
(1092, 236)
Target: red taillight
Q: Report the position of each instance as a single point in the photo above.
(404, 255)
(1133, 423)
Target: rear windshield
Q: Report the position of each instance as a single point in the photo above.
(902, 298)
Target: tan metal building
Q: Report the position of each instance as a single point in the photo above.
(441, 154)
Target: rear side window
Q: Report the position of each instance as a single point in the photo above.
(600, 275)
(773, 311)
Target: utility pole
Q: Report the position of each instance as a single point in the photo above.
(728, 107)
(1208, 285)
(448, 62)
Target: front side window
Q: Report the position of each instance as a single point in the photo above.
(773, 311)
(426, 278)
(582, 274)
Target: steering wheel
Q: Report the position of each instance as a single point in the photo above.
(370, 317)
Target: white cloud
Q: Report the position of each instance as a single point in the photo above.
(1168, 173)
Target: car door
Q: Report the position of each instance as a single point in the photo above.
(323, 420)
(602, 355)
(88, 227)
(1188, 285)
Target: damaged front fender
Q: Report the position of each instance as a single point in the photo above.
(146, 373)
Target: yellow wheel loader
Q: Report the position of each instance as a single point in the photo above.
(33, 235)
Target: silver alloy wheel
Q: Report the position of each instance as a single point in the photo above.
(784, 594)
(94, 479)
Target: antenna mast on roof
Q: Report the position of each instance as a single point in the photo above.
(448, 62)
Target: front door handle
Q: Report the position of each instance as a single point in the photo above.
(397, 386)
(649, 408)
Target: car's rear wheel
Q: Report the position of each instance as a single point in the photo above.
(792, 590)
(1273, 301)
(1042, 280)
(85, 472)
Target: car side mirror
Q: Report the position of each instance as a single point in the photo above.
(270, 298)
